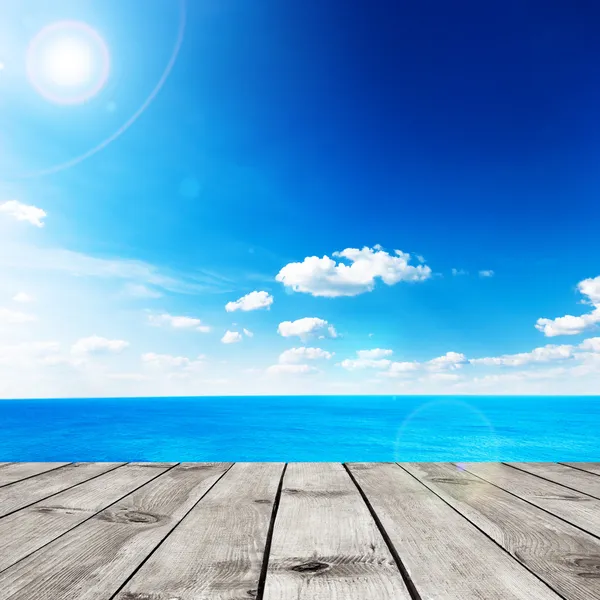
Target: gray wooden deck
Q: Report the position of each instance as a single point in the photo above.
(369, 531)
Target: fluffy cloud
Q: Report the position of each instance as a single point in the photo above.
(354, 364)
(251, 301)
(179, 322)
(231, 337)
(544, 354)
(375, 353)
(486, 273)
(290, 369)
(450, 360)
(22, 298)
(248, 333)
(306, 327)
(401, 368)
(12, 317)
(97, 345)
(326, 277)
(591, 289)
(572, 325)
(568, 325)
(457, 272)
(23, 212)
(591, 345)
(299, 355)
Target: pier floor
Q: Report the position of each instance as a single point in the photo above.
(299, 531)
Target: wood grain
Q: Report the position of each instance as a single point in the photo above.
(577, 508)
(216, 552)
(446, 557)
(20, 494)
(590, 467)
(27, 530)
(558, 553)
(92, 561)
(564, 475)
(12, 472)
(325, 543)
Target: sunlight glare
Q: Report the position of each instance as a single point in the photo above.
(68, 62)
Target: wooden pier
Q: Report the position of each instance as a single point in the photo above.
(301, 531)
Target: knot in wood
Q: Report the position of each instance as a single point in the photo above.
(313, 566)
(591, 564)
(129, 516)
(451, 480)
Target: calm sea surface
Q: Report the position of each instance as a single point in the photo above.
(302, 428)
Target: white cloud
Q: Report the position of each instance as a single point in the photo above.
(401, 368)
(325, 277)
(375, 353)
(22, 298)
(450, 360)
(179, 322)
(458, 272)
(290, 369)
(23, 212)
(248, 333)
(591, 288)
(231, 337)
(97, 345)
(568, 325)
(486, 273)
(306, 327)
(299, 355)
(544, 354)
(251, 301)
(12, 317)
(591, 344)
(572, 325)
(353, 364)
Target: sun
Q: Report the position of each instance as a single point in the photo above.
(68, 62)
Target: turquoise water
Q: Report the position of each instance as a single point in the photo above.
(302, 428)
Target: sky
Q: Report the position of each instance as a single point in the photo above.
(303, 197)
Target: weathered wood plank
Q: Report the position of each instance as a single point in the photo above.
(216, 552)
(567, 476)
(28, 491)
(445, 555)
(28, 529)
(325, 542)
(590, 467)
(13, 472)
(577, 508)
(552, 549)
(92, 561)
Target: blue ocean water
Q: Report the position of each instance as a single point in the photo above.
(302, 428)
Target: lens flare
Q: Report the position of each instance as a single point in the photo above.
(446, 430)
(68, 62)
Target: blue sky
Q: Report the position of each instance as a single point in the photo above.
(390, 183)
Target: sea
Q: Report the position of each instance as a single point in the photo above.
(303, 428)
